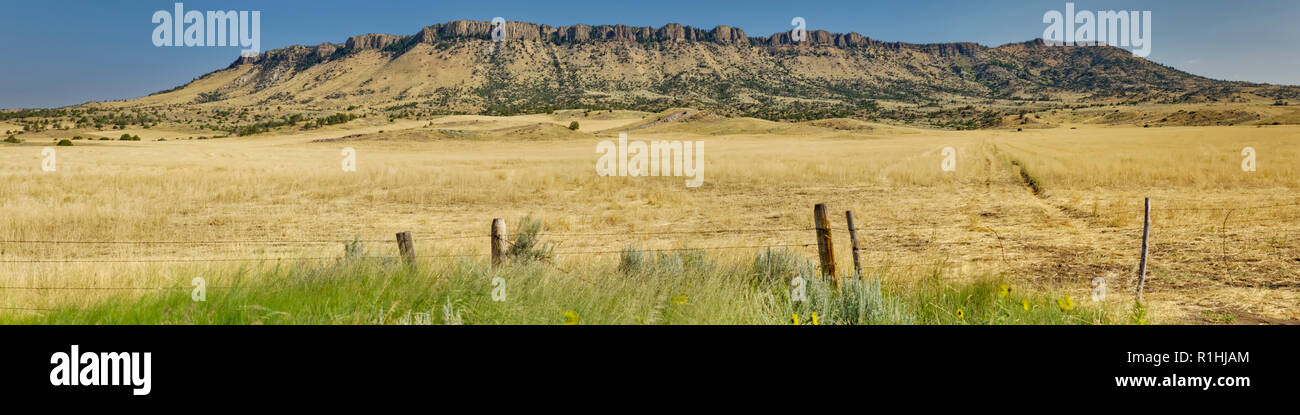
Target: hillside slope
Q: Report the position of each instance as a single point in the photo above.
(456, 68)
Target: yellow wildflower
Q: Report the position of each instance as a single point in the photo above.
(1024, 303)
(815, 323)
(1066, 304)
(570, 318)
(1004, 290)
(961, 314)
(681, 299)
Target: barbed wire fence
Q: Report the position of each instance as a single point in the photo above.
(822, 231)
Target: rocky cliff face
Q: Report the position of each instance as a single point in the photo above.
(575, 33)
(455, 66)
(372, 41)
(672, 32)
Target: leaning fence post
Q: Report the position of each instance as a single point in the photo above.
(1146, 234)
(824, 246)
(406, 247)
(498, 241)
(853, 237)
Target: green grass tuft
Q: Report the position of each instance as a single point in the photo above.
(681, 287)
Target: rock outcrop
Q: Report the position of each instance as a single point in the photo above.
(682, 66)
(672, 32)
(372, 41)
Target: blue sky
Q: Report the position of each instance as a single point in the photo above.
(57, 53)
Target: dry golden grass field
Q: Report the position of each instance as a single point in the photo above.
(1225, 243)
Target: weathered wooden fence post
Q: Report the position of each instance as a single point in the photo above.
(825, 248)
(406, 247)
(1146, 234)
(498, 241)
(853, 238)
